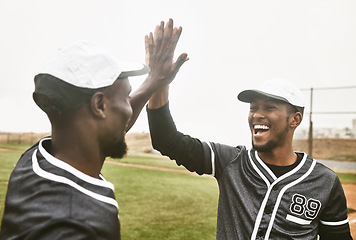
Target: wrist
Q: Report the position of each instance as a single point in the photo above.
(159, 98)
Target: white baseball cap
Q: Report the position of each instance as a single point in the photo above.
(74, 73)
(279, 89)
(85, 64)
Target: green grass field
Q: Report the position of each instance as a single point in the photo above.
(162, 205)
(154, 204)
(150, 160)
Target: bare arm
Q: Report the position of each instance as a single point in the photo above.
(160, 48)
(159, 98)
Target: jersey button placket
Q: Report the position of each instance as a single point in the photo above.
(268, 209)
(261, 233)
(267, 212)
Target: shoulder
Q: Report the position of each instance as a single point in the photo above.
(219, 147)
(225, 155)
(317, 168)
(324, 177)
(223, 151)
(26, 157)
(323, 171)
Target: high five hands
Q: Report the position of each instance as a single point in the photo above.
(160, 48)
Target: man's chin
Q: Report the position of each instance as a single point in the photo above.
(263, 147)
(259, 148)
(117, 156)
(118, 150)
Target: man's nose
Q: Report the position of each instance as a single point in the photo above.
(259, 113)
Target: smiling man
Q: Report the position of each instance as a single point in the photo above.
(269, 191)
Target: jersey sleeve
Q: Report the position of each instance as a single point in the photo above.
(334, 221)
(185, 150)
(195, 155)
(222, 155)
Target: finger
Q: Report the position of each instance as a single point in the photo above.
(147, 44)
(151, 47)
(147, 55)
(175, 37)
(156, 32)
(167, 34)
(159, 35)
(176, 66)
(151, 44)
(180, 61)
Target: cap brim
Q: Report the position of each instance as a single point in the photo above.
(133, 69)
(249, 96)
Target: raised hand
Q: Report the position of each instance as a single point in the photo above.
(160, 48)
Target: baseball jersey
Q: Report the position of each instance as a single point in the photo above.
(49, 199)
(254, 203)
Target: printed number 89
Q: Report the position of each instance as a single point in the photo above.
(300, 205)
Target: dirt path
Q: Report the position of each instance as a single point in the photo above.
(350, 192)
(149, 167)
(14, 150)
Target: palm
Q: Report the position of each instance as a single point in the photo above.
(160, 50)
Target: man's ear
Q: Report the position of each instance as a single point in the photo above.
(296, 119)
(98, 105)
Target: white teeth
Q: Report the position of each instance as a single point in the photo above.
(263, 127)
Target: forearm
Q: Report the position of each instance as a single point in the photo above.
(140, 97)
(159, 98)
(162, 128)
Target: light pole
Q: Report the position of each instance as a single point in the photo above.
(310, 136)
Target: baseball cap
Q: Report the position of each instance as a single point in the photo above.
(278, 89)
(75, 72)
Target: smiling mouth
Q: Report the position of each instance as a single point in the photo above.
(260, 129)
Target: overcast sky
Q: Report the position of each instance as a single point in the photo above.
(232, 45)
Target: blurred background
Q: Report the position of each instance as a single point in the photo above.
(232, 45)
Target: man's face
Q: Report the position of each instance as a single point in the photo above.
(118, 115)
(269, 123)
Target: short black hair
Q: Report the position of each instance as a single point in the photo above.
(55, 96)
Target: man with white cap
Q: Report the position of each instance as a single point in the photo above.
(269, 191)
(56, 190)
